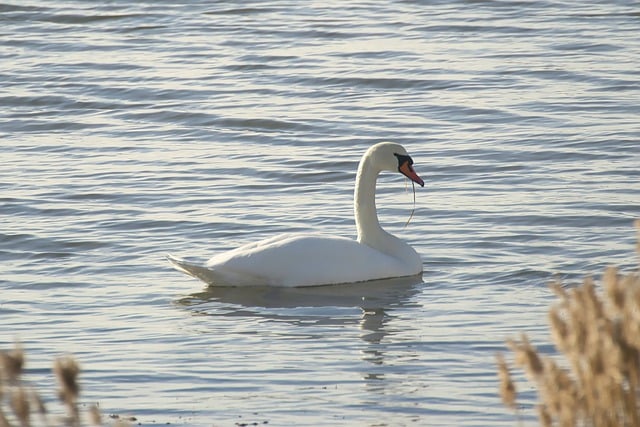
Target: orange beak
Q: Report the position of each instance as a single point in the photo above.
(407, 170)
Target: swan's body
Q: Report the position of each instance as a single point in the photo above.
(309, 259)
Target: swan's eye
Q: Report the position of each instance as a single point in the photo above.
(402, 159)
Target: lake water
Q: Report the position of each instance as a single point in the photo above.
(129, 130)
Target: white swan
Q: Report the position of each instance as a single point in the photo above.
(292, 260)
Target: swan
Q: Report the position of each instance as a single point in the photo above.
(296, 260)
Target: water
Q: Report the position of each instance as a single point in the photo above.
(130, 130)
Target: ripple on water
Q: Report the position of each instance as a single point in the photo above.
(133, 130)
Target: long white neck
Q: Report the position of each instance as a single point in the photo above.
(369, 231)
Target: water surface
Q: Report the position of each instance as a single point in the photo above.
(129, 130)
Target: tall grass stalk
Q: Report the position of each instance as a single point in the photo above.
(22, 405)
(597, 333)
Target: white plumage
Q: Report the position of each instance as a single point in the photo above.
(293, 259)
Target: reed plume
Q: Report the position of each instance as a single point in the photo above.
(66, 370)
(19, 402)
(597, 332)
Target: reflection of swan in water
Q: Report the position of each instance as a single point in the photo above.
(369, 296)
(312, 307)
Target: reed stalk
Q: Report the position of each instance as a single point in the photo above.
(21, 405)
(596, 381)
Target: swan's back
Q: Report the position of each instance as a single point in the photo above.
(298, 260)
(306, 260)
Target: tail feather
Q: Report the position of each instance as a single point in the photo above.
(196, 270)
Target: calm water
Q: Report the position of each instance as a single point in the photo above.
(132, 129)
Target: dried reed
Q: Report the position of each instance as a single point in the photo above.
(598, 334)
(18, 401)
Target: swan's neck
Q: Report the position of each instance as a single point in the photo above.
(369, 231)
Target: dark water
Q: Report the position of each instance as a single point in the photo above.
(133, 129)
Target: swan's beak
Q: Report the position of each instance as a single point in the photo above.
(406, 169)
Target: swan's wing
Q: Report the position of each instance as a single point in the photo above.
(303, 260)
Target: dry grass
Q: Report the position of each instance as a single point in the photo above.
(21, 405)
(597, 381)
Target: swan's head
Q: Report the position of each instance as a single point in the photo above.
(389, 156)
